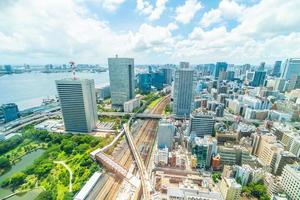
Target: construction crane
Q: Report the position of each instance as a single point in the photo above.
(72, 63)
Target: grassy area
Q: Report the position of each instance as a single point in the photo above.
(154, 102)
(73, 149)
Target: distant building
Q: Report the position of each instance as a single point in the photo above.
(130, 105)
(144, 82)
(167, 75)
(276, 69)
(121, 77)
(294, 82)
(258, 79)
(261, 66)
(165, 134)
(230, 75)
(78, 104)
(220, 66)
(9, 112)
(291, 181)
(201, 124)
(8, 69)
(103, 92)
(184, 89)
(184, 65)
(157, 80)
(290, 67)
(230, 189)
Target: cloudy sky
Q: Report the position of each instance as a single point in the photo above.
(151, 31)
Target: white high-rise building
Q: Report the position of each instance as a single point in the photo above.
(184, 89)
(291, 181)
(291, 67)
(121, 77)
(165, 134)
(78, 104)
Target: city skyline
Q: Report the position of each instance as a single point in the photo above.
(151, 31)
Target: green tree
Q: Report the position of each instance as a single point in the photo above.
(17, 179)
(4, 163)
(45, 195)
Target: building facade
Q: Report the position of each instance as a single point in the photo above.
(121, 77)
(78, 104)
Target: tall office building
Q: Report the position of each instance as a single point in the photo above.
(261, 66)
(201, 124)
(144, 82)
(167, 75)
(157, 80)
(291, 181)
(183, 95)
(291, 67)
(220, 66)
(9, 112)
(121, 77)
(78, 104)
(276, 69)
(294, 82)
(258, 79)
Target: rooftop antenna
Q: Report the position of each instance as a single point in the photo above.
(72, 63)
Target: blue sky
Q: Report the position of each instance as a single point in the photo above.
(151, 31)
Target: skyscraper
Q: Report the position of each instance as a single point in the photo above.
(258, 79)
(78, 104)
(261, 66)
(291, 67)
(276, 69)
(121, 77)
(294, 82)
(157, 80)
(144, 82)
(220, 66)
(167, 75)
(184, 88)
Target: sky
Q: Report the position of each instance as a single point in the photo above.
(150, 31)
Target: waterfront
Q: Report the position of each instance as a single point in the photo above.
(29, 89)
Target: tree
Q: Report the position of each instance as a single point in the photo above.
(44, 196)
(4, 163)
(216, 176)
(17, 179)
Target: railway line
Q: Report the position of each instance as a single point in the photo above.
(112, 185)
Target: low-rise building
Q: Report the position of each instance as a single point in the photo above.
(130, 105)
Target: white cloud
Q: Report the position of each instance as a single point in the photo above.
(227, 10)
(186, 12)
(112, 5)
(35, 31)
(153, 13)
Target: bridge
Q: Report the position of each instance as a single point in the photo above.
(113, 166)
(136, 115)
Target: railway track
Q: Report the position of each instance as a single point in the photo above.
(112, 185)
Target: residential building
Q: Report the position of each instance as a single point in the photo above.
(78, 104)
(283, 158)
(230, 189)
(291, 181)
(184, 89)
(291, 67)
(121, 77)
(273, 184)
